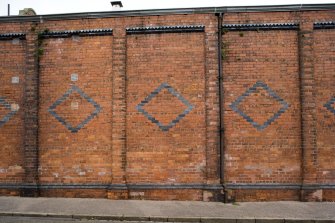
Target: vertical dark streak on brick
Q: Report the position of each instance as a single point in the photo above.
(212, 103)
(119, 106)
(31, 105)
(308, 104)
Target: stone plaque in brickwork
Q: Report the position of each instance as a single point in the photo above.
(74, 77)
(15, 80)
(16, 41)
(14, 107)
(74, 105)
(76, 38)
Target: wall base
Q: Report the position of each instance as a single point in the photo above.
(318, 195)
(242, 195)
(9, 192)
(74, 193)
(29, 192)
(232, 195)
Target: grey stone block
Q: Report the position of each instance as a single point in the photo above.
(218, 220)
(299, 221)
(270, 220)
(325, 221)
(135, 218)
(53, 215)
(109, 218)
(159, 218)
(245, 220)
(184, 219)
(99, 217)
(6, 214)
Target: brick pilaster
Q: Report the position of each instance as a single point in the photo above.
(119, 113)
(31, 93)
(308, 107)
(212, 104)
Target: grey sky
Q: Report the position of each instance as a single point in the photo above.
(68, 6)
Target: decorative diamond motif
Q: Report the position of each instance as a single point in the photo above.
(251, 90)
(11, 112)
(329, 104)
(74, 129)
(153, 94)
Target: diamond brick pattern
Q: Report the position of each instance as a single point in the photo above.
(253, 89)
(74, 129)
(329, 105)
(153, 94)
(8, 116)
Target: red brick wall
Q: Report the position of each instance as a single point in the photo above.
(324, 46)
(12, 63)
(246, 60)
(313, 118)
(176, 155)
(250, 195)
(74, 193)
(259, 154)
(180, 195)
(121, 153)
(82, 156)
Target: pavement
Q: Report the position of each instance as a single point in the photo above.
(169, 211)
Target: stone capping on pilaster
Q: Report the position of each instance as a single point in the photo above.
(165, 29)
(324, 25)
(69, 33)
(261, 27)
(10, 36)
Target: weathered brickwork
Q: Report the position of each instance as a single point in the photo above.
(163, 147)
(13, 192)
(328, 195)
(127, 107)
(182, 195)
(324, 51)
(310, 119)
(262, 110)
(324, 46)
(12, 79)
(300, 132)
(264, 195)
(75, 110)
(74, 193)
